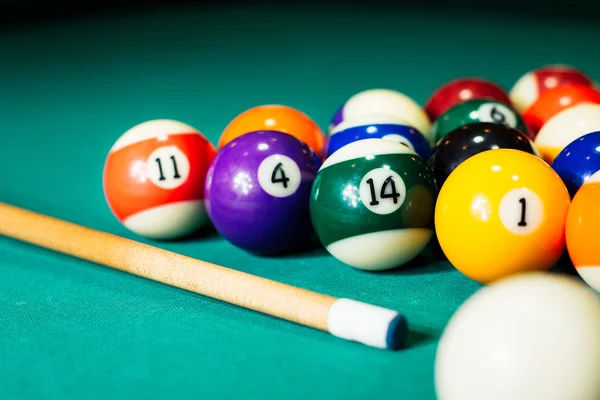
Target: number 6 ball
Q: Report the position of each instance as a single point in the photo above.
(257, 192)
(372, 204)
(502, 212)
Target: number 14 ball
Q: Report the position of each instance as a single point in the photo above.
(502, 212)
(372, 204)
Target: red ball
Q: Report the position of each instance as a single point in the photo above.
(533, 84)
(154, 179)
(553, 101)
(460, 90)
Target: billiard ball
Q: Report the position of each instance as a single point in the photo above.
(258, 189)
(372, 204)
(530, 336)
(502, 212)
(478, 110)
(565, 127)
(460, 90)
(552, 101)
(379, 126)
(583, 231)
(530, 86)
(154, 176)
(383, 101)
(466, 141)
(275, 117)
(577, 162)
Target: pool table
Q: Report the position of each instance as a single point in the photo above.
(71, 86)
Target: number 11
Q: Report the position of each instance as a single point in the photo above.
(160, 169)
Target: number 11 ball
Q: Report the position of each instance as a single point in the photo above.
(154, 179)
(372, 204)
(258, 189)
(502, 212)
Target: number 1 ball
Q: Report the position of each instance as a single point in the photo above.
(502, 212)
(154, 179)
(258, 189)
(372, 204)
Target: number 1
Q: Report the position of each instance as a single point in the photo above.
(374, 201)
(162, 176)
(522, 222)
(176, 176)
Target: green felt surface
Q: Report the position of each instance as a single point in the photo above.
(70, 329)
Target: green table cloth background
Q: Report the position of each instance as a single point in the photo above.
(70, 88)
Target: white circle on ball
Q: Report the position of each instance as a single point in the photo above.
(279, 175)
(382, 191)
(497, 113)
(168, 167)
(521, 211)
(399, 139)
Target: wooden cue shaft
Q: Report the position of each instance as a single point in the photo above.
(266, 296)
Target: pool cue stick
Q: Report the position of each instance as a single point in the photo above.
(345, 318)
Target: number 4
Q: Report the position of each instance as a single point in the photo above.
(283, 179)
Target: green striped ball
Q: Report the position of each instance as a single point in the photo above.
(372, 204)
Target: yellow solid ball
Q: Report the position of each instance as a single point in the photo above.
(502, 212)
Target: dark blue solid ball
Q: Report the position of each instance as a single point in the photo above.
(578, 161)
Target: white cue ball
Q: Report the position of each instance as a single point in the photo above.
(534, 336)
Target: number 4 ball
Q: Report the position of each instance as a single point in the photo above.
(154, 179)
(502, 212)
(372, 204)
(257, 192)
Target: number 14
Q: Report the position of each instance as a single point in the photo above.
(384, 193)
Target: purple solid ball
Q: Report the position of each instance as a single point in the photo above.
(257, 192)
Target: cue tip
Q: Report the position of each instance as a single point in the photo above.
(367, 324)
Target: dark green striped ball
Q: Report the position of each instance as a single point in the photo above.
(372, 204)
